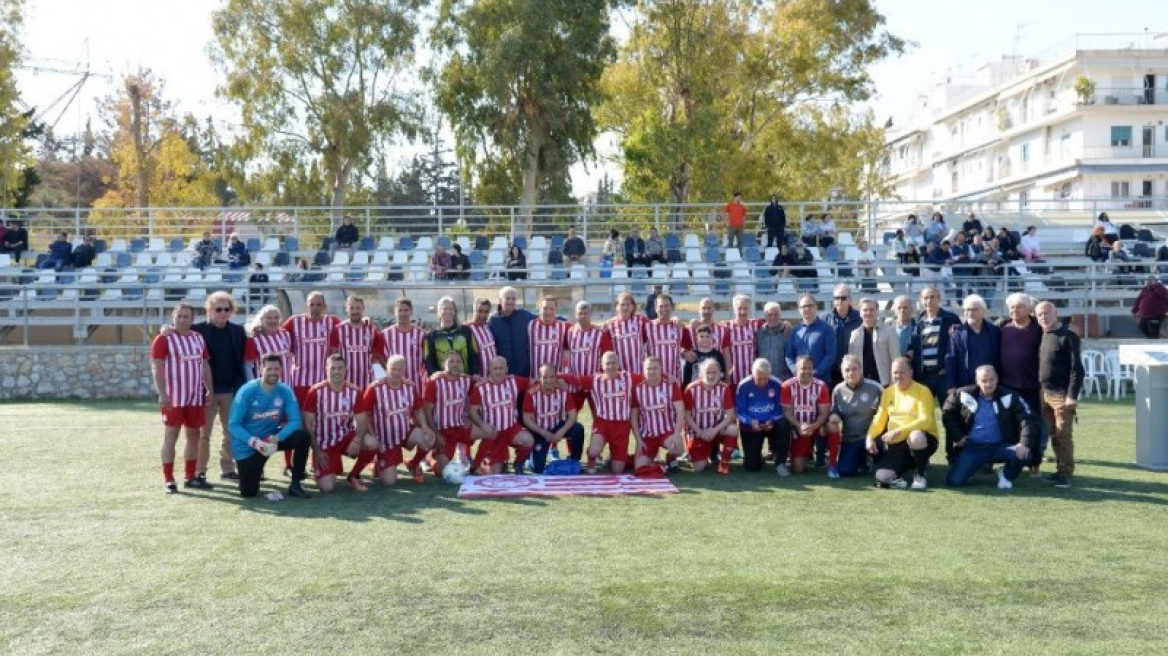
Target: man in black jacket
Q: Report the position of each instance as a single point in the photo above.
(225, 341)
(774, 217)
(1060, 373)
(987, 423)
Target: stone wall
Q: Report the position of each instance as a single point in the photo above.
(75, 372)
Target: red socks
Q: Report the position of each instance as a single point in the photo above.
(168, 472)
(189, 466)
(833, 449)
(728, 447)
(365, 457)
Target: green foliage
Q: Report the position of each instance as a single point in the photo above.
(518, 84)
(15, 153)
(320, 80)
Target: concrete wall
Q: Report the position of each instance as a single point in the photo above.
(75, 372)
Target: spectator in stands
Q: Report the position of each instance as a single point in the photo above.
(1060, 371)
(1150, 307)
(873, 344)
(810, 230)
(1119, 255)
(651, 302)
(1097, 248)
(803, 263)
(971, 227)
(930, 343)
(440, 263)
(574, 248)
(865, 262)
(899, 244)
(206, 252)
(826, 231)
(972, 344)
(15, 240)
(508, 326)
(635, 249)
(459, 265)
(60, 253)
(774, 219)
(911, 261)
(936, 230)
(780, 266)
(1162, 259)
(735, 221)
(612, 246)
(937, 260)
(237, 255)
(259, 294)
(1110, 232)
(654, 247)
(1031, 247)
(912, 230)
(1008, 246)
(976, 248)
(85, 253)
(516, 263)
(346, 236)
(301, 273)
(987, 423)
(961, 259)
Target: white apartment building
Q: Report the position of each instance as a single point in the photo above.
(1083, 120)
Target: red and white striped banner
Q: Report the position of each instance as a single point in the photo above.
(503, 485)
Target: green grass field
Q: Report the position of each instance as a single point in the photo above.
(97, 560)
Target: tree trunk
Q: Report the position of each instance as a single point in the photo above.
(140, 151)
(339, 186)
(531, 177)
(679, 187)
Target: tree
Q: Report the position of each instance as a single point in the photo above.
(518, 85)
(716, 96)
(15, 154)
(324, 75)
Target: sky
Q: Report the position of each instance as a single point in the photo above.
(952, 39)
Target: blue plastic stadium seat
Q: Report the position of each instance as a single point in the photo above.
(282, 259)
(405, 244)
(557, 242)
(322, 258)
(712, 240)
(673, 255)
(559, 272)
(751, 254)
(367, 244)
(712, 255)
(555, 257)
(520, 241)
(443, 241)
(748, 240)
(122, 260)
(326, 243)
(137, 245)
(253, 245)
(481, 243)
(101, 246)
(672, 241)
(291, 244)
(606, 269)
(177, 245)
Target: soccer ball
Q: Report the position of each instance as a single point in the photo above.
(454, 473)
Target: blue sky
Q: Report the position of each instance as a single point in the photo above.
(953, 39)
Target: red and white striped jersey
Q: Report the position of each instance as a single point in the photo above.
(310, 347)
(740, 352)
(585, 348)
(499, 402)
(805, 400)
(334, 412)
(719, 335)
(654, 404)
(183, 357)
(708, 405)
(278, 343)
(447, 397)
(408, 344)
(485, 342)
(392, 411)
(611, 397)
(628, 341)
(545, 344)
(358, 344)
(548, 408)
(667, 341)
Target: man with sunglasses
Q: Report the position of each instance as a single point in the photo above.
(225, 341)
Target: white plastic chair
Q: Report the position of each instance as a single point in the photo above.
(385, 244)
(692, 241)
(1094, 372)
(1118, 374)
(341, 258)
(538, 242)
(844, 239)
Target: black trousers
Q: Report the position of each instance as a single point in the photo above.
(574, 437)
(1150, 328)
(778, 438)
(776, 237)
(250, 469)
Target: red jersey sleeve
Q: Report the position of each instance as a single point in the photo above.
(475, 397)
(369, 398)
(785, 395)
(310, 400)
(635, 397)
(675, 393)
(729, 400)
(583, 382)
(159, 348)
(824, 396)
(636, 378)
(251, 353)
(430, 392)
(688, 397)
(334, 339)
(529, 403)
(686, 341)
(570, 404)
(379, 344)
(361, 405)
(605, 342)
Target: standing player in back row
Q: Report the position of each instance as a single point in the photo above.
(741, 332)
(584, 344)
(484, 341)
(545, 336)
(667, 340)
(626, 333)
(182, 376)
(719, 335)
(359, 342)
(405, 339)
(309, 333)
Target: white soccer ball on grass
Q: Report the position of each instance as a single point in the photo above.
(454, 473)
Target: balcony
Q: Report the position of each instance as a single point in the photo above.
(1146, 151)
(1129, 96)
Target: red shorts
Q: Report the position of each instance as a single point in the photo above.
(802, 447)
(616, 435)
(499, 448)
(700, 449)
(333, 453)
(388, 459)
(452, 437)
(191, 416)
(580, 399)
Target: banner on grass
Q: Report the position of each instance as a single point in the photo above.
(502, 485)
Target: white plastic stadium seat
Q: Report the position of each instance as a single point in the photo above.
(341, 258)
(118, 246)
(499, 243)
(426, 243)
(495, 263)
(401, 258)
(156, 245)
(144, 259)
(692, 241)
(845, 239)
(578, 272)
(538, 242)
(1094, 372)
(194, 282)
(464, 242)
(693, 255)
(271, 245)
(536, 256)
(733, 255)
(385, 243)
(538, 271)
(380, 258)
(6, 259)
(264, 258)
(164, 260)
(360, 258)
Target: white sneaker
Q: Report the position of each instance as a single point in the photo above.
(919, 483)
(782, 471)
(894, 484)
(1003, 482)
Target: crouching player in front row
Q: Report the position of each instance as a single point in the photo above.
(710, 419)
(549, 412)
(397, 420)
(334, 413)
(494, 412)
(447, 409)
(657, 417)
(611, 391)
(265, 419)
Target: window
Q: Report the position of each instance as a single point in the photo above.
(1064, 191)
(1025, 156)
(1024, 198)
(1121, 136)
(1120, 189)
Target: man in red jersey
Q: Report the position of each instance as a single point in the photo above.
(397, 420)
(549, 412)
(611, 392)
(584, 343)
(484, 340)
(710, 419)
(359, 341)
(447, 410)
(719, 334)
(182, 376)
(494, 412)
(405, 339)
(657, 416)
(334, 415)
(624, 330)
(742, 329)
(806, 403)
(545, 336)
(310, 344)
(667, 340)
